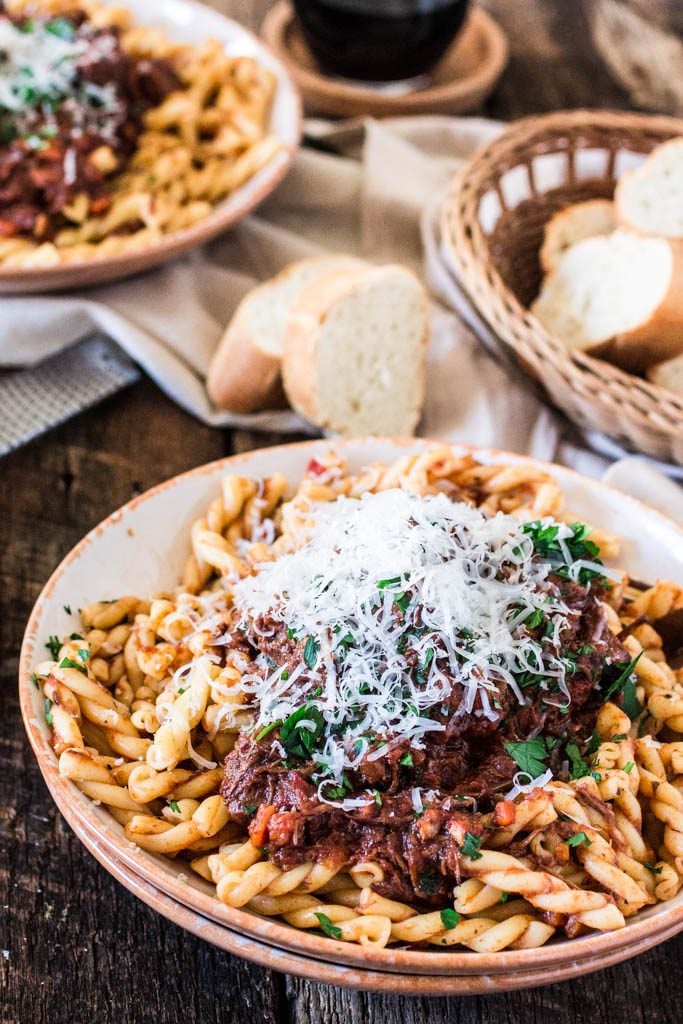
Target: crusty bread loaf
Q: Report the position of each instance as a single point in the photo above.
(650, 197)
(244, 375)
(618, 297)
(669, 375)
(571, 225)
(355, 351)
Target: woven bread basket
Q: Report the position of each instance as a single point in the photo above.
(492, 226)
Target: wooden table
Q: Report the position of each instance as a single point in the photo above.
(76, 947)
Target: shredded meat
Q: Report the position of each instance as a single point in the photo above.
(466, 765)
(46, 150)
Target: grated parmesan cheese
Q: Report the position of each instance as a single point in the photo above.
(36, 60)
(469, 581)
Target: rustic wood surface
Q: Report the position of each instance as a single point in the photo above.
(75, 946)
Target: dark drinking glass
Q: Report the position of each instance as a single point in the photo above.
(379, 40)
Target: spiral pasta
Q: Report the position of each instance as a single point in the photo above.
(142, 715)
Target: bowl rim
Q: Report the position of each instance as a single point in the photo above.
(227, 212)
(327, 971)
(664, 918)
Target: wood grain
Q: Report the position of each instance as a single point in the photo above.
(75, 947)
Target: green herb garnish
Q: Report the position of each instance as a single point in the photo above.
(529, 755)
(577, 766)
(470, 847)
(327, 927)
(70, 663)
(449, 918)
(311, 651)
(579, 839)
(54, 646)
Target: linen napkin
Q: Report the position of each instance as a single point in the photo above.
(361, 188)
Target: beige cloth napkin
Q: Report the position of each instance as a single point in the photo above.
(366, 197)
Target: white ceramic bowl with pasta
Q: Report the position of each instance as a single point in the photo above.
(186, 22)
(143, 549)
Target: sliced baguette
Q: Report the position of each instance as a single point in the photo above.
(650, 197)
(668, 375)
(355, 351)
(572, 225)
(618, 297)
(244, 375)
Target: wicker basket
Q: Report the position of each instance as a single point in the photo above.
(492, 226)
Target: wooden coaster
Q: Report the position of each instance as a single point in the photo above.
(459, 83)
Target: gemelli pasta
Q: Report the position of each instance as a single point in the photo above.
(410, 705)
(112, 135)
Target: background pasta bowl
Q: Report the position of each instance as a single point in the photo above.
(186, 21)
(141, 549)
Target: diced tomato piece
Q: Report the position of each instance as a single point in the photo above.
(280, 828)
(259, 826)
(100, 204)
(504, 813)
(315, 467)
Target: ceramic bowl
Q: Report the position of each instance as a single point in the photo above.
(191, 22)
(141, 549)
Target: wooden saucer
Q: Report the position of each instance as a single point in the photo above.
(459, 83)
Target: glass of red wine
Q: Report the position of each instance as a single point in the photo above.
(385, 43)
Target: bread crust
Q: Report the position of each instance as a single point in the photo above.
(660, 337)
(662, 374)
(555, 225)
(242, 377)
(308, 314)
(627, 178)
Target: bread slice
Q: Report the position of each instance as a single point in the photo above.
(650, 197)
(618, 297)
(571, 225)
(244, 375)
(668, 375)
(355, 351)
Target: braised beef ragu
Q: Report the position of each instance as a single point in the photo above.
(462, 772)
(62, 138)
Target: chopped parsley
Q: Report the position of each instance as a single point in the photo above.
(470, 846)
(529, 755)
(579, 839)
(173, 804)
(377, 796)
(535, 619)
(250, 809)
(301, 731)
(504, 897)
(428, 882)
(48, 711)
(628, 767)
(311, 651)
(449, 918)
(383, 584)
(67, 609)
(652, 867)
(327, 927)
(544, 537)
(70, 663)
(620, 685)
(577, 766)
(407, 761)
(54, 646)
